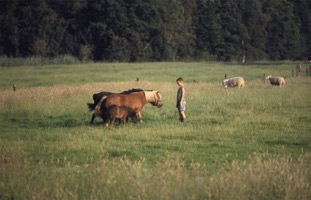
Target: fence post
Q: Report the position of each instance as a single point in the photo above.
(298, 68)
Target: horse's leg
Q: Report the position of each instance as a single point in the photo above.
(112, 121)
(106, 118)
(107, 122)
(93, 117)
(123, 120)
(140, 117)
(134, 119)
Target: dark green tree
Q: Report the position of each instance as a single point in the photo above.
(75, 17)
(303, 15)
(256, 22)
(283, 29)
(156, 30)
(144, 29)
(220, 30)
(9, 29)
(207, 26)
(233, 32)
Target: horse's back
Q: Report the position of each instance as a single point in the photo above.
(134, 100)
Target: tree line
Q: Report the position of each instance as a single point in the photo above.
(156, 30)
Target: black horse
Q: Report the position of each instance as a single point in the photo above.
(99, 97)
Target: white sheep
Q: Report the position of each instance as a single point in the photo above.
(276, 80)
(233, 82)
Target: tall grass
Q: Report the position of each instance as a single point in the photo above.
(252, 143)
(259, 177)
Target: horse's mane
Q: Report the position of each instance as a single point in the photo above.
(149, 95)
(132, 90)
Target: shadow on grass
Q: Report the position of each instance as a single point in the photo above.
(289, 143)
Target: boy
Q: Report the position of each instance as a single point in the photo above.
(181, 101)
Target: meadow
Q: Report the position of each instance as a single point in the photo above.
(251, 143)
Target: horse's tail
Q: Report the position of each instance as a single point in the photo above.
(97, 98)
(91, 106)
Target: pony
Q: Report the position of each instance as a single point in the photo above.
(134, 100)
(98, 98)
(121, 112)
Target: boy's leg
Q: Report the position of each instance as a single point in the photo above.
(182, 116)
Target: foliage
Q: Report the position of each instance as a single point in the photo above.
(156, 30)
(284, 37)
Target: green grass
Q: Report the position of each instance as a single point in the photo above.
(51, 75)
(237, 144)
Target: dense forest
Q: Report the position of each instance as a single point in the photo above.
(156, 30)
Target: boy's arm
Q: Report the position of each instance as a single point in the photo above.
(182, 96)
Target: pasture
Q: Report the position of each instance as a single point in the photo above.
(251, 143)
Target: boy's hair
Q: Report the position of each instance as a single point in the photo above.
(179, 79)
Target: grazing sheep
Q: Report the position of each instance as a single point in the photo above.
(276, 80)
(233, 82)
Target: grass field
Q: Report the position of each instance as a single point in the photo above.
(251, 143)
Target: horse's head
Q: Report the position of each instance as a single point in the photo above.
(154, 97)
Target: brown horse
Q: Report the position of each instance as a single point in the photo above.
(135, 101)
(98, 99)
(120, 112)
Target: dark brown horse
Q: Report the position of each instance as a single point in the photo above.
(135, 101)
(120, 112)
(99, 97)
